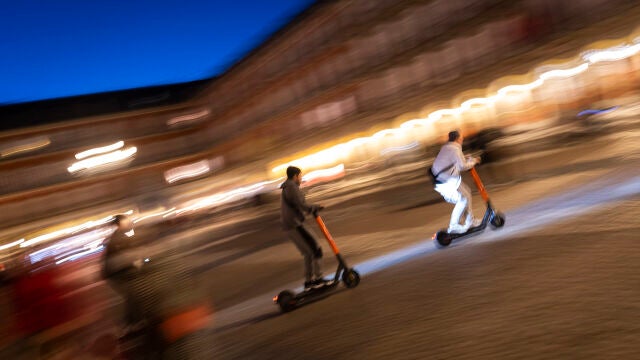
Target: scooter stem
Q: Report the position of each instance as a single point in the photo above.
(327, 235)
(479, 184)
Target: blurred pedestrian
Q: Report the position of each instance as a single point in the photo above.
(121, 264)
(165, 308)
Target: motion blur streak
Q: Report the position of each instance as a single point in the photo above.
(101, 160)
(27, 146)
(519, 88)
(100, 150)
(322, 158)
(187, 171)
(613, 54)
(390, 150)
(560, 74)
(225, 197)
(162, 213)
(66, 231)
(339, 152)
(477, 101)
(597, 112)
(72, 244)
(188, 118)
(81, 254)
(11, 244)
(324, 174)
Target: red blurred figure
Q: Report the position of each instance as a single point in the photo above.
(40, 302)
(47, 316)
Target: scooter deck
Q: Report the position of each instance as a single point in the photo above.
(289, 301)
(471, 231)
(444, 238)
(316, 291)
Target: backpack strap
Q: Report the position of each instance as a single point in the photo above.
(435, 176)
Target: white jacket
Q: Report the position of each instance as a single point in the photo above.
(451, 154)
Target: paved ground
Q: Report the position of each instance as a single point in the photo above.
(569, 290)
(558, 281)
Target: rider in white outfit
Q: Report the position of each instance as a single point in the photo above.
(446, 168)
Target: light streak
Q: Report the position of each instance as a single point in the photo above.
(520, 88)
(563, 74)
(189, 117)
(324, 174)
(162, 213)
(29, 146)
(612, 54)
(187, 171)
(67, 231)
(80, 254)
(407, 147)
(224, 197)
(104, 159)
(100, 150)
(12, 244)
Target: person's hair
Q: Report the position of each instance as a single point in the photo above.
(292, 171)
(454, 135)
(119, 218)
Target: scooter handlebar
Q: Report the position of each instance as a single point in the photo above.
(316, 209)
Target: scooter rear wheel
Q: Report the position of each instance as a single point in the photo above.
(351, 278)
(498, 220)
(286, 301)
(443, 238)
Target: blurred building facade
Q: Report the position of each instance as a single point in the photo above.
(338, 70)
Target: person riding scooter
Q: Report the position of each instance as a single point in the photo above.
(446, 170)
(293, 209)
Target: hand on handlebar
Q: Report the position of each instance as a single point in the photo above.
(476, 160)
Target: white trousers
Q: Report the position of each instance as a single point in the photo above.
(460, 195)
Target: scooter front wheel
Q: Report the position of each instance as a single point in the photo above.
(351, 278)
(443, 238)
(286, 300)
(498, 220)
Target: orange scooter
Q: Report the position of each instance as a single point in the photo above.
(288, 300)
(491, 216)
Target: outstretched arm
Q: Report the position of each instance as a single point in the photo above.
(462, 163)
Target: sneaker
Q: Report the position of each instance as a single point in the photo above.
(314, 284)
(470, 221)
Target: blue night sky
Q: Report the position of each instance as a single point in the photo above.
(59, 48)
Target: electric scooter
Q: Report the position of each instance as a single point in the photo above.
(491, 216)
(288, 300)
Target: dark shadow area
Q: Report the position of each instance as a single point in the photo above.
(15, 116)
(251, 321)
(427, 202)
(276, 313)
(236, 256)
